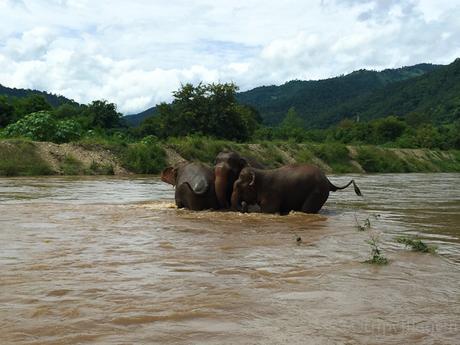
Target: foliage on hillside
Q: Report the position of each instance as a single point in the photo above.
(209, 109)
(212, 110)
(52, 99)
(34, 118)
(316, 101)
(433, 97)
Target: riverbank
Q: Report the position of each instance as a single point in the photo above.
(20, 157)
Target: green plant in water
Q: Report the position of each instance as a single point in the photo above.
(366, 225)
(416, 244)
(377, 258)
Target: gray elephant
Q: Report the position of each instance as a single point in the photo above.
(296, 187)
(228, 165)
(194, 184)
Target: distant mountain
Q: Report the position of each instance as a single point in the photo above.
(317, 101)
(434, 96)
(135, 120)
(54, 100)
(426, 90)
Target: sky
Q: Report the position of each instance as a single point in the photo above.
(135, 53)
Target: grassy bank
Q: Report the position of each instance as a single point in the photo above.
(90, 157)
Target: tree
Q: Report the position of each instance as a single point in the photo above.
(291, 127)
(102, 114)
(67, 111)
(389, 129)
(30, 104)
(209, 109)
(6, 112)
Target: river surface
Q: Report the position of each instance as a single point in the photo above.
(112, 261)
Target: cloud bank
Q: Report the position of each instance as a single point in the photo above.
(136, 53)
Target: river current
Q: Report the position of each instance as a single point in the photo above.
(98, 260)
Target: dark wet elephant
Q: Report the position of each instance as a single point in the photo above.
(194, 184)
(228, 166)
(296, 187)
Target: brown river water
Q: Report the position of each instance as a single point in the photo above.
(112, 261)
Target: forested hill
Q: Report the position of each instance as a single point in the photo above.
(317, 102)
(135, 120)
(433, 97)
(54, 100)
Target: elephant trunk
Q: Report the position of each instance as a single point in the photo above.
(235, 201)
(221, 173)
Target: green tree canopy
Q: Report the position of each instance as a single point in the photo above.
(6, 112)
(209, 109)
(102, 114)
(42, 126)
(30, 104)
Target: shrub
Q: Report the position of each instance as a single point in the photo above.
(194, 147)
(42, 126)
(373, 159)
(71, 166)
(19, 158)
(336, 155)
(144, 158)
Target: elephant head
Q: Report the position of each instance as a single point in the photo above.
(244, 189)
(169, 175)
(226, 171)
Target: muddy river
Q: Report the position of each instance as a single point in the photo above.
(112, 261)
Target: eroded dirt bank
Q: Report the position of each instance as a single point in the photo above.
(19, 157)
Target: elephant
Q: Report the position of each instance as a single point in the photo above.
(295, 187)
(194, 184)
(228, 165)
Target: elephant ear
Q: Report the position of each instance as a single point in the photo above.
(253, 163)
(169, 175)
(199, 184)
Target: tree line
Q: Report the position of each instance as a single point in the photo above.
(211, 110)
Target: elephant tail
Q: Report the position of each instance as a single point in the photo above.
(333, 188)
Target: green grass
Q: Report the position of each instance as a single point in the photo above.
(144, 158)
(447, 165)
(196, 148)
(336, 155)
(416, 244)
(377, 160)
(304, 155)
(111, 143)
(71, 166)
(20, 158)
(96, 168)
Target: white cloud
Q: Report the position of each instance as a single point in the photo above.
(136, 53)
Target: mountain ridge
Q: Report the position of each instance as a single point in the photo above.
(273, 101)
(366, 94)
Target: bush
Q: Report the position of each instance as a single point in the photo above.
(373, 159)
(19, 158)
(144, 158)
(335, 155)
(194, 147)
(71, 166)
(42, 126)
